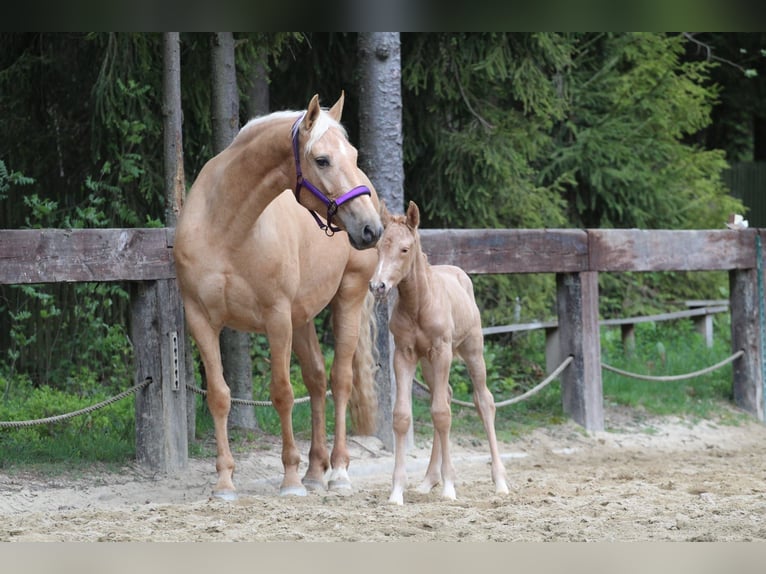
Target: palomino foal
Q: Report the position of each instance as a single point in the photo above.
(434, 318)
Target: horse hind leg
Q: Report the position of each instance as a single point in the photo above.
(485, 405)
(311, 360)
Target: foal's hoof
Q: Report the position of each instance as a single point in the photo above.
(501, 487)
(293, 491)
(227, 495)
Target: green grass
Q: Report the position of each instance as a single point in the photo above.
(670, 349)
(106, 435)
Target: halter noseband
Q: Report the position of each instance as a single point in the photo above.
(332, 204)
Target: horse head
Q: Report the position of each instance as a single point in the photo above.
(397, 249)
(326, 165)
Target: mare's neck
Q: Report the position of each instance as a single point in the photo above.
(260, 167)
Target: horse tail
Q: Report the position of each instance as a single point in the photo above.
(363, 403)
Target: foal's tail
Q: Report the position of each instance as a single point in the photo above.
(363, 404)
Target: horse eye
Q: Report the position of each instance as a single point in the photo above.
(405, 249)
(322, 161)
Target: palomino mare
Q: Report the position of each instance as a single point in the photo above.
(250, 258)
(434, 317)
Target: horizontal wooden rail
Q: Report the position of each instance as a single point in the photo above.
(61, 255)
(690, 313)
(79, 255)
(508, 250)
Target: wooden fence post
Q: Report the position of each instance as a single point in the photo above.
(157, 333)
(747, 371)
(553, 355)
(579, 336)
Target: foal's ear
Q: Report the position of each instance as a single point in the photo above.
(385, 216)
(413, 215)
(312, 113)
(337, 109)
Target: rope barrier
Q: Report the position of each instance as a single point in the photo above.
(534, 390)
(248, 402)
(63, 417)
(709, 369)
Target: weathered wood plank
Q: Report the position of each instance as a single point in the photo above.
(72, 255)
(669, 250)
(507, 250)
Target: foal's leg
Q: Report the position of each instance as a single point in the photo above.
(441, 414)
(473, 354)
(405, 363)
(309, 354)
(279, 332)
(218, 396)
(433, 474)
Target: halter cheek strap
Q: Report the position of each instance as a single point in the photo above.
(331, 204)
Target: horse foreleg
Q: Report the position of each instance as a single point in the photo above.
(441, 414)
(485, 405)
(309, 354)
(280, 343)
(345, 322)
(405, 363)
(218, 397)
(433, 474)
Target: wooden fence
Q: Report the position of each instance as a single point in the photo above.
(144, 257)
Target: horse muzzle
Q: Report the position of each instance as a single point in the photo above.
(379, 289)
(366, 236)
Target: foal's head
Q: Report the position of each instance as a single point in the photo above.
(397, 249)
(328, 162)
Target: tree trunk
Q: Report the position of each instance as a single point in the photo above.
(235, 346)
(173, 120)
(175, 179)
(258, 91)
(381, 157)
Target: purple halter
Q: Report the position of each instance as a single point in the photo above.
(332, 205)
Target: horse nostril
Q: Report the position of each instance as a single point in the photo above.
(371, 234)
(377, 288)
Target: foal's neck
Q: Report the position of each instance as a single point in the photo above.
(416, 284)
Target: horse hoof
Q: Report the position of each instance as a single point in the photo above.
(501, 488)
(293, 491)
(313, 484)
(227, 495)
(396, 498)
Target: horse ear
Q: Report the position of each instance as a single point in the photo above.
(312, 113)
(337, 109)
(385, 216)
(413, 215)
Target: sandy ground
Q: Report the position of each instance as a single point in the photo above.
(644, 479)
